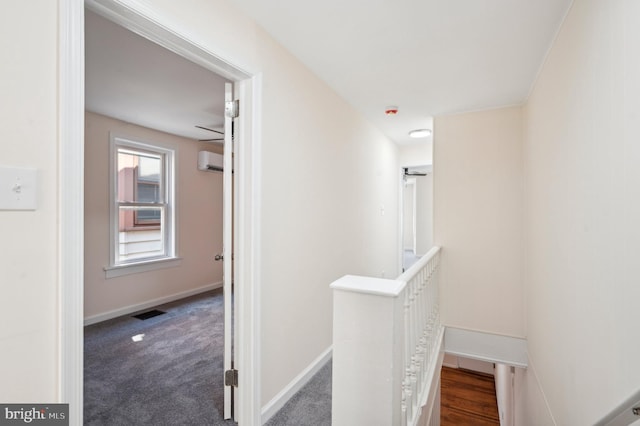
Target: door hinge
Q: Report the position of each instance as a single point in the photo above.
(232, 108)
(231, 378)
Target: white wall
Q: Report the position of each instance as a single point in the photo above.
(324, 198)
(408, 225)
(416, 154)
(504, 394)
(531, 408)
(424, 214)
(478, 219)
(582, 204)
(198, 221)
(421, 154)
(329, 193)
(29, 242)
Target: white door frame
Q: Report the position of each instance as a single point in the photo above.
(411, 182)
(400, 251)
(401, 213)
(136, 16)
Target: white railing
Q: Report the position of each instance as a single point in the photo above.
(422, 333)
(387, 347)
(627, 413)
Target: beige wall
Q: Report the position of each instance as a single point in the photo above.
(328, 178)
(478, 219)
(582, 204)
(198, 221)
(29, 240)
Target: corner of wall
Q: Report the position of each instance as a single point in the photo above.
(531, 405)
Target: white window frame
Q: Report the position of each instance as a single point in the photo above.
(168, 259)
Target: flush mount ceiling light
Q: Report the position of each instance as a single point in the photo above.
(420, 133)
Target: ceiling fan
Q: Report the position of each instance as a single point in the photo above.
(211, 130)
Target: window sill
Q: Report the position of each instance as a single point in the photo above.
(136, 268)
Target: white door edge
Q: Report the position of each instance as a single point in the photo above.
(227, 244)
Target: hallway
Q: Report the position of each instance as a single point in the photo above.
(467, 398)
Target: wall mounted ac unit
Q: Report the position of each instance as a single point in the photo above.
(210, 161)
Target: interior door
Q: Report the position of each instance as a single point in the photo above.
(227, 252)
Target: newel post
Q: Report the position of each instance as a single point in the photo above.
(367, 351)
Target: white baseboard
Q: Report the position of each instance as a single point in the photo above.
(536, 396)
(278, 401)
(454, 361)
(450, 361)
(148, 304)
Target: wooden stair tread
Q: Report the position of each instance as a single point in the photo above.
(468, 398)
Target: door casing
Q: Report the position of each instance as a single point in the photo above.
(137, 17)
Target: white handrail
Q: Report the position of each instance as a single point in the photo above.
(422, 329)
(419, 264)
(625, 414)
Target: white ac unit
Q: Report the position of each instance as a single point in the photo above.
(210, 161)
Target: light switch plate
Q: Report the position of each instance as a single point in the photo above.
(18, 188)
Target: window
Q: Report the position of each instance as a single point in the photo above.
(142, 209)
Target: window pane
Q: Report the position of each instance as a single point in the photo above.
(141, 231)
(142, 204)
(139, 176)
(147, 217)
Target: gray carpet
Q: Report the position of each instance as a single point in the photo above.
(173, 376)
(311, 406)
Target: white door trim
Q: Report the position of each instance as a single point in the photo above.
(71, 204)
(138, 17)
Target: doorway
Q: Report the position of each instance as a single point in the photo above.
(155, 112)
(72, 233)
(416, 213)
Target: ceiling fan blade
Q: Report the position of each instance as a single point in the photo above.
(209, 140)
(211, 130)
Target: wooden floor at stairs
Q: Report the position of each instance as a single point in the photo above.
(467, 398)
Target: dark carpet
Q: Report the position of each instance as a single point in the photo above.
(311, 406)
(173, 376)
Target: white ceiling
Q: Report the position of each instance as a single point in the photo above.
(428, 57)
(132, 79)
